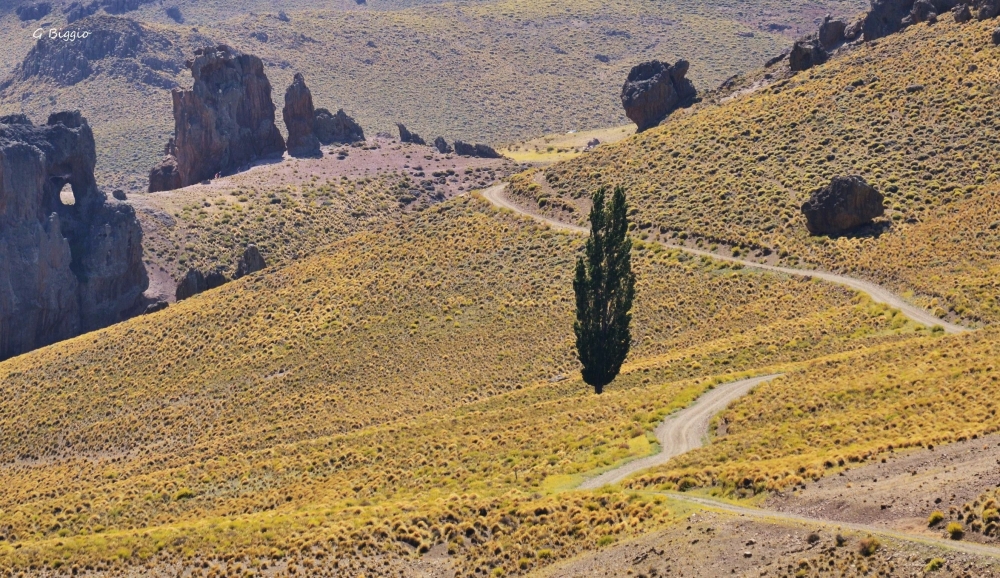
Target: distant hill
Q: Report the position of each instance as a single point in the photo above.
(480, 71)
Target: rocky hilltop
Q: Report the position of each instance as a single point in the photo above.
(225, 122)
(114, 46)
(67, 267)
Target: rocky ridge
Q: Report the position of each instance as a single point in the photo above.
(68, 267)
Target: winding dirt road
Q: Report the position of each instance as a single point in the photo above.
(495, 195)
(682, 431)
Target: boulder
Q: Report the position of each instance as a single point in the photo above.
(250, 262)
(988, 9)
(64, 269)
(299, 115)
(922, 11)
(336, 128)
(225, 121)
(854, 30)
(36, 11)
(653, 90)
(962, 13)
(409, 137)
(831, 33)
(845, 204)
(192, 284)
(996, 37)
(442, 145)
(155, 307)
(885, 18)
(486, 152)
(805, 54)
(119, 195)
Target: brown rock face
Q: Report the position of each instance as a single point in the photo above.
(805, 54)
(299, 115)
(653, 90)
(64, 268)
(411, 137)
(336, 128)
(846, 203)
(251, 262)
(831, 33)
(225, 122)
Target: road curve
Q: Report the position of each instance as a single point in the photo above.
(495, 195)
(682, 431)
(773, 516)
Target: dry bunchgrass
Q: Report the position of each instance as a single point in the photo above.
(353, 403)
(914, 113)
(846, 410)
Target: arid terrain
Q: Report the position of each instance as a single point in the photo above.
(359, 358)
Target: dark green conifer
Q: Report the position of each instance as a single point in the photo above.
(605, 288)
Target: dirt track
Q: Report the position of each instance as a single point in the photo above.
(682, 431)
(495, 195)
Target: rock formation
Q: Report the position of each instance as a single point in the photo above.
(174, 13)
(442, 146)
(407, 136)
(37, 11)
(805, 54)
(224, 122)
(336, 128)
(831, 33)
(192, 284)
(299, 115)
(251, 262)
(846, 203)
(476, 150)
(64, 269)
(962, 13)
(653, 90)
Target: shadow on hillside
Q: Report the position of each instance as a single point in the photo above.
(872, 230)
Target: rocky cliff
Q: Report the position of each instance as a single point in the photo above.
(225, 122)
(65, 268)
(299, 115)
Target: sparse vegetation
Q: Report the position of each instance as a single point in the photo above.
(868, 546)
(733, 176)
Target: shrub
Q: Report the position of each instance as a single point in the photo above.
(868, 546)
(955, 531)
(935, 517)
(933, 565)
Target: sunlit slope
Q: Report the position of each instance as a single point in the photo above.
(846, 410)
(293, 405)
(914, 113)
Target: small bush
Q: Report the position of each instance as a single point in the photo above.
(868, 546)
(935, 517)
(955, 531)
(933, 565)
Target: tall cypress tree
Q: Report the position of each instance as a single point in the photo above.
(605, 288)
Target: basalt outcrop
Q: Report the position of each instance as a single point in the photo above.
(65, 268)
(299, 115)
(336, 128)
(846, 203)
(409, 137)
(225, 122)
(475, 150)
(655, 89)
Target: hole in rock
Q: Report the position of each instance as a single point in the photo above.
(66, 196)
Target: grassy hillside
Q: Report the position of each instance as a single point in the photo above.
(485, 71)
(319, 413)
(847, 410)
(915, 114)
